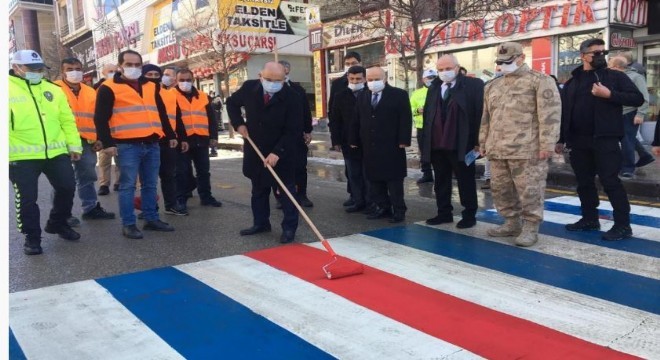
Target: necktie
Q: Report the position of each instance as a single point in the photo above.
(445, 96)
(374, 101)
(266, 98)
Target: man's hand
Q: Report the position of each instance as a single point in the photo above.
(111, 151)
(213, 142)
(271, 160)
(420, 111)
(354, 146)
(98, 146)
(307, 137)
(173, 143)
(601, 91)
(638, 119)
(402, 146)
(184, 146)
(482, 151)
(544, 155)
(559, 148)
(243, 131)
(74, 156)
(656, 150)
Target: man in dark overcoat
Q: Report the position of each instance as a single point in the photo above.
(383, 129)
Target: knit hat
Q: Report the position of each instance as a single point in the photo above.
(151, 67)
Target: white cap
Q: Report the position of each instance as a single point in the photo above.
(29, 58)
(429, 73)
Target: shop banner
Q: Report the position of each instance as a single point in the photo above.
(351, 31)
(84, 51)
(629, 12)
(161, 32)
(318, 84)
(273, 16)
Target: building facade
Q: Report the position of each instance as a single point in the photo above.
(32, 26)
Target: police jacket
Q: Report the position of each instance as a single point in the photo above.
(41, 123)
(417, 100)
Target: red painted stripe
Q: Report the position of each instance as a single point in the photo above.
(479, 329)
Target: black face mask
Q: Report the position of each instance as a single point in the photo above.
(598, 62)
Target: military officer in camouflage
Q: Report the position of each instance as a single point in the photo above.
(519, 128)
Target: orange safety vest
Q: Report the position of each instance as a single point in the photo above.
(193, 114)
(134, 116)
(83, 108)
(169, 98)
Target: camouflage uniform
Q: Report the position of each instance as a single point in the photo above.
(522, 116)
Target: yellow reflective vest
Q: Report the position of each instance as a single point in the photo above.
(41, 123)
(417, 100)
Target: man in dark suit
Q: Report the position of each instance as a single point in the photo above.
(452, 114)
(343, 116)
(350, 59)
(383, 129)
(274, 122)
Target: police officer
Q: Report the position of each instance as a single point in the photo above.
(417, 100)
(82, 99)
(42, 139)
(519, 129)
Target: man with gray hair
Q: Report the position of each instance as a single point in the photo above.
(632, 118)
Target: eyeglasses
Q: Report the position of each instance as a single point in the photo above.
(597, 53)
(498, 62)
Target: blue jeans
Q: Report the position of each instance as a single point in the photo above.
(630, 144)
(85, 170)
(142, 158)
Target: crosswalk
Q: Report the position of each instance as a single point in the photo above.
(428, 292)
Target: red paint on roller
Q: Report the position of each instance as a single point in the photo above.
(476, 328)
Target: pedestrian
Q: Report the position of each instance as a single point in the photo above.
(591, 127)
(383, 129)
(343, 116)
(105, 161)
(43, 138)
(304, 140)
(82, 99)
(632, 118)
(417, 100)
(633, 64)
(273, 120)
(168, 155)
(130, 120)
(519, 127)
(351, 58)
(452, 114)
(202, 131)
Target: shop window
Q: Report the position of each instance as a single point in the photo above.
(569, 54)
(652, 64)
(372, 54)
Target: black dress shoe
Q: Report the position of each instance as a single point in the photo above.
(255, 230)
(398, 217)
(465, 223)
(32, 246)
(380, 213)
(64, 231)
(132, 232)
(370, 209)
(440, 219)
(287, 237)
(349, 202)
(157, 225)
(426, 178)
(305, 202)
(73, 221)
(115, 187)
(355, 208)
(584, 225)
(103, 190)
(618, 232)
(211, 202)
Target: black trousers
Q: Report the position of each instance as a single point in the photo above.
(388, 194)
(358, 180)
(301, 168)
(24, 175)
(602, 158)
(426, 166)
(260, 202)
(167, 173)
(199, 156)
(445, 163)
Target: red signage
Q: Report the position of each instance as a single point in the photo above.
(617, 40)
(118, 40)
(630, 12)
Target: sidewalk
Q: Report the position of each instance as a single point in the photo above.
(646, 182)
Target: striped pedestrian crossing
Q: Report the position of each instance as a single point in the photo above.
(427, 292)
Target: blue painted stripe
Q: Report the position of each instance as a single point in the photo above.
(632, 245)
(15, 351)
(200, 322)
(636, 219)
(608, 284)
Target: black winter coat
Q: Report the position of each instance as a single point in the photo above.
(275, 127)
(343, 115)
(380, 131)
(307, 112)
(608, 113)
(336, 87)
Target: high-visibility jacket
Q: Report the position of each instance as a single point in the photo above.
(193, 113)
(83, 108)
(417, 100)
(169, 98)
(41, 124)
(134, 116)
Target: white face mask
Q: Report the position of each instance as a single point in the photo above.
(272, 86)
(185, 86)
(167, 80)
(447, 76)
(376, 86)
(509, 68)
(132, 73)
(74, 76)
(428, 83)
(356, 87)
(33, 77)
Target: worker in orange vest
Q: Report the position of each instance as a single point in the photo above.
(82, 99)
(202, 130)
(131, 119)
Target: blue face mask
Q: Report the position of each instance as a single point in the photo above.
(271, 86)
